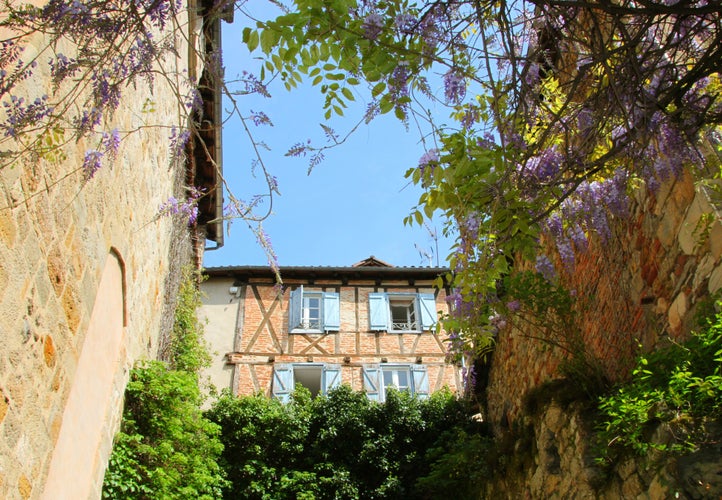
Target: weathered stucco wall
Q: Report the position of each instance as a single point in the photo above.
(59, 236)
(639, 288)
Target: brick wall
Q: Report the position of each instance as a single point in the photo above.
(258, 319)
(57, 232)
(640, 288)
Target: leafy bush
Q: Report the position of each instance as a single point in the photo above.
(166, 448)
(343, 445)
(680, 385)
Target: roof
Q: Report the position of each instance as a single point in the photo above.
(376, 272)
(372, 262)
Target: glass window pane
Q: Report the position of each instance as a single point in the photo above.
(403, 379)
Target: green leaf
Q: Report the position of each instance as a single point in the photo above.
(385, 105)
(269, 38)
(378, 89)
(347, 94)
(250, 38)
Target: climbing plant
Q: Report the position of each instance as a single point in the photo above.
(556, 109)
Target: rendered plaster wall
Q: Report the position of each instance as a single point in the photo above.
(640, 288)
(59, 236)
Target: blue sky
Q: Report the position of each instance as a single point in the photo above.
(350, 207)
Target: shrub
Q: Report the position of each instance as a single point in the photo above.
(680, 385)
(166, 447)
(339, 446)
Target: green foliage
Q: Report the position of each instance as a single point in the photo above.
(460, 464)
(341, 445)
(679, 386)
(166, 447)
(188, 349)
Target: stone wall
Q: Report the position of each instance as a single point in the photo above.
(639, 289)
(553, 458)
(61, 236)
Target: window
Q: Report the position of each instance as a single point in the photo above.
(317, 378)
(378, 379)
(311, 311)
(398, 312)
(403, 314)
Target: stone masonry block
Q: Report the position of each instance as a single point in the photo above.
(690, 235)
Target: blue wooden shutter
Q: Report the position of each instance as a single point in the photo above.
(331, 377)
(331, 311)
(421, 381)
(427, 303)
(372, 382)
(295, 307)
(378, 311)
(283, 381)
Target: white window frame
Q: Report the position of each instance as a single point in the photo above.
(410, 303)
(307, 326)
(394, 371)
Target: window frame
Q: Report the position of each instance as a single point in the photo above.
(328, 311)
(305, 310)
(421, 305)
(375, 386)
(410, 302)
(283, 379)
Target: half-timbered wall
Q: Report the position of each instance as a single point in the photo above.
(248, 328)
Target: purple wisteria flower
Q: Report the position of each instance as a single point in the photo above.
(260, 118)
(194, 101)
(373, 25)
(252, 85)
(178, 142)
(265, 241)
(532, 74)
(399, 83)
(545, 267)
(454, 87)
(406, 23)
(20, 114)
(111, 143)
(187, 208)
(299, 149)
(566, 252)
(429, 160)
(91, 163)
(545, 166)
(578, 237)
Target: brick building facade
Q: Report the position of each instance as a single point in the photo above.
(370, 326)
